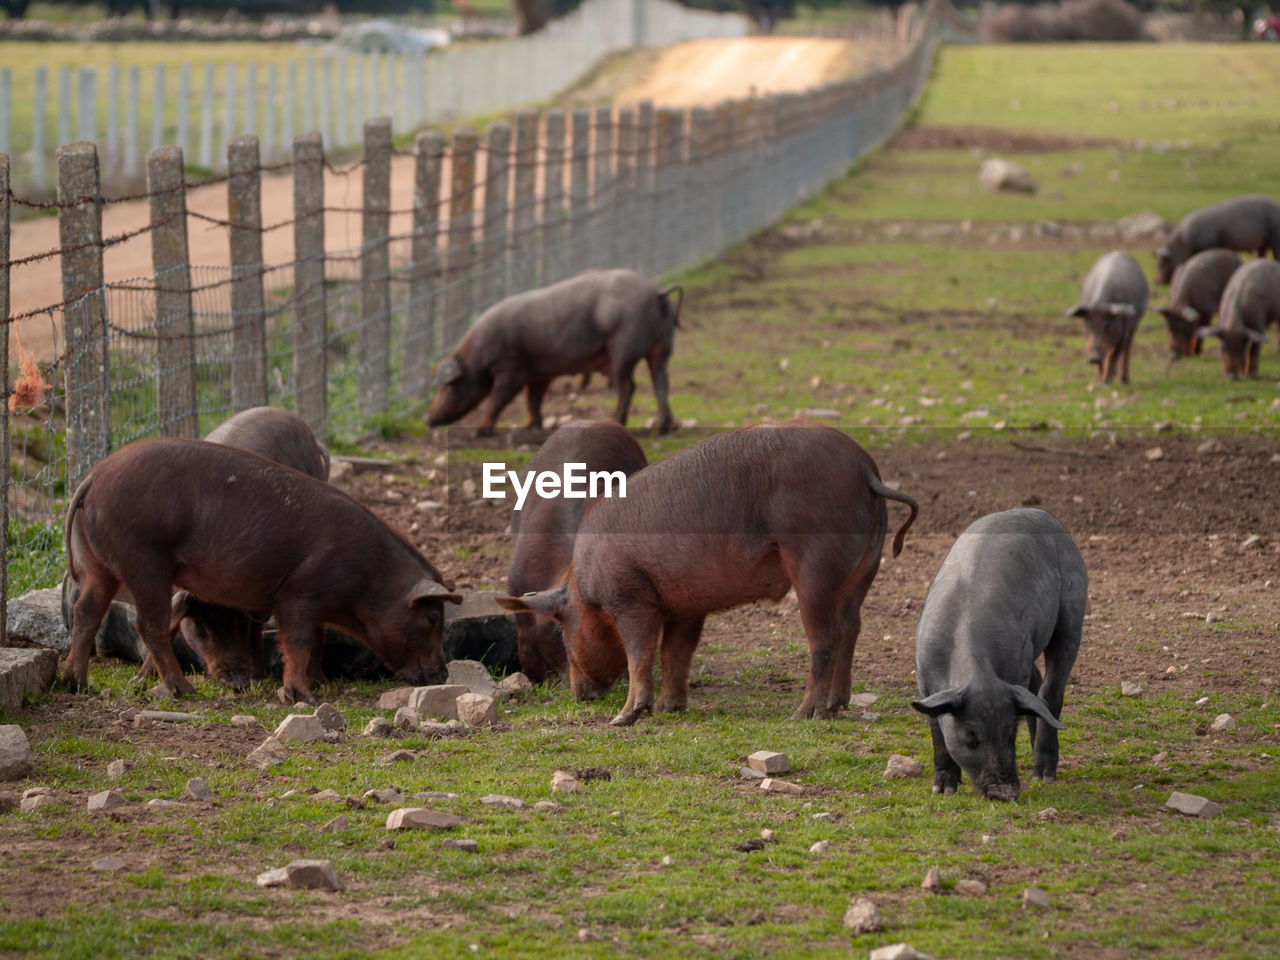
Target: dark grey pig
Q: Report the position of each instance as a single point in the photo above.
(1250, 302)
(1193, 298)
(1250, 223)
(1113, 299)
(1012, 587)
(598, 320)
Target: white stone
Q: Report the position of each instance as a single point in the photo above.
(774, 785)
(270, 753)
(327, 795)
(563, 782)
(898, 951)
(198, 789)
(1154, 453)
(1213, 616)
(1222, 723)
(330, 718)
(932, 880)
(384, 795)
(996, 174)
(1034, 897)
(1192, 805)
(769, 761)
(377, 727)
(1251, 542)
(1129, 689)
(477, 709)
(158, 805)
(821, 847)
(499, 800)
(106, 800)
(439, 700)
(863, 916)
(421, 818)
(863, 700)
(516, 684)
(16, 759)
(475, 676)
(406, 719)
(395, 699)
(32, 804)
(549, 806)
(767, 835)
(971, 888)
(244, 720)
(300, 728)
(308, 874)
(902, 767)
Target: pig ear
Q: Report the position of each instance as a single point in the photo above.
(1191, 314)
(178, 610)
(448, 371)
(1255, 336)
(549, 602)
(1204, 332)
(430, 590)
(1162, 253)
(1077, 311)
(944, 701)
(1028, 702)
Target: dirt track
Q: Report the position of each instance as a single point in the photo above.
(701, 72)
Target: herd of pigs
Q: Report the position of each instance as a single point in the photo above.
(210, 539)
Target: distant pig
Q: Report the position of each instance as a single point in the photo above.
(1013, 586)
(544, 529)
(741, 516)
(1113, 299)
(1193, 299)
(239, 531)
(1250, 302)
(598, 320)
(1250, 223)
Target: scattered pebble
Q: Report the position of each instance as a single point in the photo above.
(499, 800)
(932, 880)
(1213, 616)
(824, 816)
(1222, 723)
(870, 716)
(244, 720)
(667, 861)
(774, 785)
(1155, 453)
(898, 951)
(111, 864)
(516, 684)
(118, 768)
(198, 789)
(563, 782)
(421, 818)
(821, 847)
(1047, 814)
(767, 835)
(768, 761)
(377, 727)
(397, 756)
(902, 767)
(461, 843)
(1251, 542)
(549, 806)
(327, 795)
(434, 728)
(384, 795)
(1130, 689)
(337, 823)
(1034, 897)
(863, 916)
(106, 800)
(270, 753)
(308, 874)
(158, 805)
(436, 795)
(1202, 702)
(394, 699)
(1192, 805)
(971, 888)
(330, 718)
(300, 728)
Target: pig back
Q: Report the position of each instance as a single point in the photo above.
(1116, 277)
(279, 435)
(1252, 296)
(1240, 223)
(1200, 282)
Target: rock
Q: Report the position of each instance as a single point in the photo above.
(563, 782)
(1160, 757)
(550, 806)
(32, 804)
(477, 710)
(667, 860)
(932, 880)
(300, 728)
(377, 727)
(110, 864)
(163, 716)
(1222, 723)
(863, 916)
(270, 753)
(338, 823)
(863, 700)
(8, 801)
(36, 792)
(825, 817)
(329, 717)
(902, 767)
(384, 795)
(198, 789)
(36, 617)
(767, 761)
(1034, 897)
(461, 843)
(749, 774)
(971, 888)
(395, 699)
(479, 630)
(475, 676)
(1047, 815)
(1049, 228)
(1192, 805)
(16, 759)
(516, 684)
(24, 671)
(819, 848)
(774, 785)
(898, 951)
(1212, 445)
(307, 874)
(767, 835)
(327, 795)
(996, 174)
(1213, 616)
(439, 700)
(406, 720)
(106, 800)
(1154, 453)
(421, 818)
(1251, 542)
(436, 795)
(245, 721)
(499, 800)
(1128, 689)
(398, 756)
(1144, 223)
(158, 805)
(433, 728)
(870, 716)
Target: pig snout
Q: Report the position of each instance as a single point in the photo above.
(1007, 792)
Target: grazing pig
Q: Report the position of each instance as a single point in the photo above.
(1113, 299)
(740, 516)
(1013, 586)
(240, 531)
(1250, 223)
(1250, 302)
(543, 531)
(598, 320)
(1193, 298)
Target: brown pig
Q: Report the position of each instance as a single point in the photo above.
(598, 320)
(741, 516)
(1193, 298)
(1250, 223)
(1113, 299)
(237, 530)
(1250, 302)
(543, 529)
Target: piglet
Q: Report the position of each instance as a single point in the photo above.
(1113, 299)
(1249, 304)
(1193, 299)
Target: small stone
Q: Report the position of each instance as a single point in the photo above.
(898, 951)
(244, 720)
(667, 860)
(1155, 453)
(932, 880)
(1192, 805)
(902, 767)
(30, 792)
(863, 700)
(550, 806)
(499, 800)
(8, 801)
(824, 817)
(106, 800)
(353, 802)
(988, 838)
(516, 684)
(270, 753)
(421, 818)
(821, 847)
(157, 805)
(1251, 542)
(300, 728)
(563, 782)
(395, 699)
(1213, 616)
(326, 795)
(1222, 723)
(111, 864)
(767, 835)
(1130, 689)
(387, 843)
(330, 718)
(16, 759)
(406, 720)
(118, 768)
(397, 756)
(384, 795)
(475, 676)
(439, 700)
(774, 785)
(1202, 702)
(1047, 814)
(750, 774)
(377, 727)
(198, 789)
(337, 823)
(863, 916)
(1034, 897)
(971, 888)
(477, 710)
(307, 874)
(1211, 446)
(1160, 757)
(32, 804)
(163, 716)
(869, 716)
(461, 843)
(436, 795)
(767, 761)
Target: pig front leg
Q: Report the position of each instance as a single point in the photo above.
(679, 640)
(639, 632)
(946, 772)
(533, 394)
(155, 628)
(505, 387)
(624, 385)
(296, 637)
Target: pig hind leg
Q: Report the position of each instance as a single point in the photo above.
(1059, 657)
(622, 373)
(533, 394)
(97, 588)
(155, 626)
(639, 631)
(679, 640)
(656, 359)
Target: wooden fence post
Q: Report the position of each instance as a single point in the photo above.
(579, 190)
(554, 234)
(645, 206)
(602, 238)
(84, 319)
(458, 300)
(5, 386)
(176, 405)
(524, 203)
(625, 233)
(493, 285)
(420, 328)
(248, 311)
(310, 361)
(375, 270)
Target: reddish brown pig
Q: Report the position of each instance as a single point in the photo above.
(1193, 298)
(239, 531)
(740, 516)
(598, 320)
(1250, 223)
(544, 528)
(1250, 302)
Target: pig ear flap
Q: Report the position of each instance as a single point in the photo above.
(1256, 336)
(448, 371)
(944, 701)
(178, 610)
(1191, 314)
(1077, 311)
(549, 602)
(1028, 702)
(1205, 332)
(430, 590)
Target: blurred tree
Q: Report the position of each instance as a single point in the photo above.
(531, 15)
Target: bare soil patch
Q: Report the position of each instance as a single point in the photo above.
(925, 136)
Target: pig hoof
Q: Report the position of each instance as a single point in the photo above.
(627, 717)
(289, 696)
